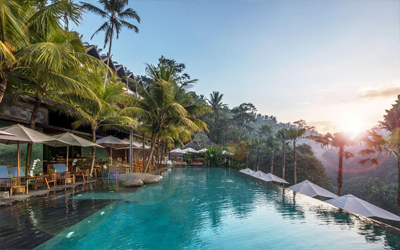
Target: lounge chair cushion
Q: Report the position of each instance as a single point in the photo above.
(60, 168)
(14, 172)
(3, 172)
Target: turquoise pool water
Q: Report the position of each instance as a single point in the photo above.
(207, 208)
(194, 208)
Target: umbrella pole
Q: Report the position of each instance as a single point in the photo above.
(67, 157)
(130, 150)
(18, 156)
(143, 153)
(111, 156)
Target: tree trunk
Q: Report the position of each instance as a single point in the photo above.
(108, 56)
(93, 152)
(284, 159)
(258, 162)
(272, 162)
(340, 171)
(29, 148)
(3, 85)
(247, 161)
(295, 162)
(153, 142)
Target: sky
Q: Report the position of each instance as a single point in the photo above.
(335, 64)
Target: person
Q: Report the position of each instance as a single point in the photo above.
(76, 154)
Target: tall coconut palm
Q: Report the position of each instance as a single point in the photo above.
(165, 105)
(272, 146)
(216, 104)
(339, 141)
(13, 34)
(106, 114)
(22, 27)
(282, 134)
(294, 134)
(50, 60)
(116, 14)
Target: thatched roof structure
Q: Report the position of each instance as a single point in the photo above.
(200, 141)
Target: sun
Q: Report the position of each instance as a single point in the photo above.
(353, 127)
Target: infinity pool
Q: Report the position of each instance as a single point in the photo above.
(192, 208)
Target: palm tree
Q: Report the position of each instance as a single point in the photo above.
(272, 145)
(106, 114)
(339, 141)
(216, 104)
(12, 35)
(166, 105)
(294, 134)
(23, 34)
(377, 144)
(115, 14)
(283, 135)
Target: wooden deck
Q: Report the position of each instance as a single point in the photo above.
(42, 192)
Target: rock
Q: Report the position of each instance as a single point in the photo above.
(132, 183)
(138, 179)
(4, 194)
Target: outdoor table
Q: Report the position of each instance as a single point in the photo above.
(27, 178)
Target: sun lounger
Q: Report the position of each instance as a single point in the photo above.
(9, 183)
(63, 175)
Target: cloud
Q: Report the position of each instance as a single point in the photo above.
(379, 92)
(324, 126)
(303, 103)
(324, 90)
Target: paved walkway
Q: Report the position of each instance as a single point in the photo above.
(42, 192)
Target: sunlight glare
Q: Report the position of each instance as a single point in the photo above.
(353, 127)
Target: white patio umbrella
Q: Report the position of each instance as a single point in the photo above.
(112, 143)
(5, 133)
(190, 150)
(247, 171)
(356, 205)
(226, 153)
(24, 135)
(73, 140)
(270, 177)
(203, 150)
(135, 144)
(177, 150)
(308, 188)
(259, 174)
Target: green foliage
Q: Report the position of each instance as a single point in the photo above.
(380, 193)
(214, 157)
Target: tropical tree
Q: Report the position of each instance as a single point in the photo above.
(216, 104)
(377, 144)
(116, 14)
(13, 35)
(243, 116)
(339, 141)
(272, 146)
(282, 134)
(257, 146)
(294, 134)
(164, 106)
(106, 114)
(51, 62)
